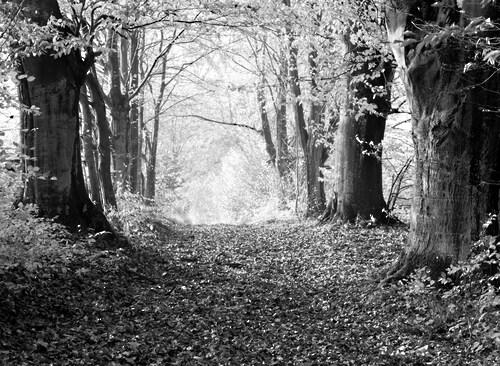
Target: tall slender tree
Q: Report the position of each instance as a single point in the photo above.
(151, 135)
(119, 105)
(103, 138)
(271, 69)
(308, 130)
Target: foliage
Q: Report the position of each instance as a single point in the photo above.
(462, 306)
(28, 242)
(132, 213)
(257, 195)
(211, 28)
(25, 238)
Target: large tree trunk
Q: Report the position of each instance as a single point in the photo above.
(104, 139)
(455, 138)
(358, 149)
(52, 136)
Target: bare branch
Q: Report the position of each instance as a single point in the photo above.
(400, 123)
(220, 122)
(153, 66)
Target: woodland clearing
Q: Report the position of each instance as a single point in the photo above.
(283, 293)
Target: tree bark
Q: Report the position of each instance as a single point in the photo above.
(317, 151)
(278, 150)
(120, 114)
(151, 148)
(90, 148)
(152, 138)
(283, 162)
(455, 137)
(52, 137)
(104, 139)
(151, 151)
(314, 154)
(266, 128)
(358, 149)
(134, 115)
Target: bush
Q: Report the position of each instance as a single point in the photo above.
(140, 220)
(31, 242)
(463, 305)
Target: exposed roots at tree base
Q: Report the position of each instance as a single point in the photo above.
(329, 214)
(402, 268)
(408, 262)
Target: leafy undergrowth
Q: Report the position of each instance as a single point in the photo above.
(275, 294)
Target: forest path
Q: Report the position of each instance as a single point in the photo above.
(274, 294)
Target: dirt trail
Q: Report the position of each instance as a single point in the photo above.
(276, 294)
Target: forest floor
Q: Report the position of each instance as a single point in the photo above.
(272, 294)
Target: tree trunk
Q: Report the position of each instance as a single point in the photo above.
(89, 148)
(152, 143)
(283, 162)
(104, 139)
(134, 114)
(52, 136)
(455, 138)
(317, 151)
(120, 128)
(266, 128)
(120, 115)
(358, 149)
(141, 122)
(278, 151)
(317, 154)
(300, 120)
(313, 154)
(152, 138)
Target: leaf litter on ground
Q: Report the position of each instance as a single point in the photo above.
(273, 294)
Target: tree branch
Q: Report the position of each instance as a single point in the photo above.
(400, 123)
(220, 122)
(162, 54)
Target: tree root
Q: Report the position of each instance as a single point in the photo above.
(399, 270)
(328, 214)
(408, 262)
(331, 214)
